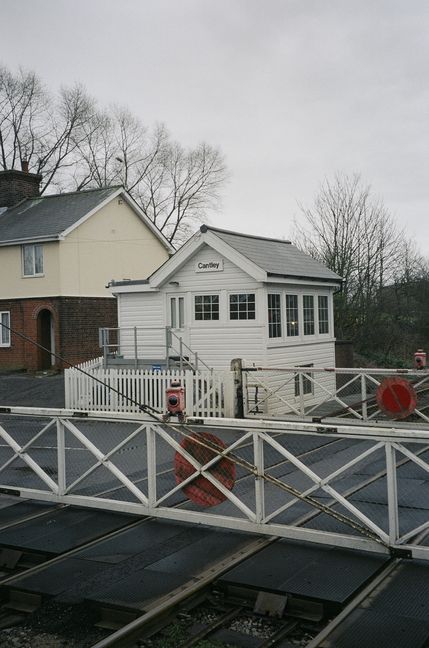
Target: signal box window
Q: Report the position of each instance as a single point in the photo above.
(242, 307)
(292, 316)
(308, 312)
(305, 380)
(323, 314)
(274, 316)
(206, 307)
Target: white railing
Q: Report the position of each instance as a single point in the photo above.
(126, 390)
(316, 392)
(333, 485)
(143, 344)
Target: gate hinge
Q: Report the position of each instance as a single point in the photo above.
(398, 552)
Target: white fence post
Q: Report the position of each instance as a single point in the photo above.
(61, 457)
(189, 393)
(228, 394)
(151, 465)
(392, 493)
(258, 453)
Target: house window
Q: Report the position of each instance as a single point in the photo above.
(32, 260)
(206, 307)
(242, 307)
(308, 312)
(5, 332)
(323, 314)
(274, 316)
(305, 380)
(292, 316)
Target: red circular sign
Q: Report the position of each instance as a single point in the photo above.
(200, 490)
(396, 397)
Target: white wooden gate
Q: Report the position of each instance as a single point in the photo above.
(124, 390)
(350, 486)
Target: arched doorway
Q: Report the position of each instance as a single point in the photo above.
(46, 338)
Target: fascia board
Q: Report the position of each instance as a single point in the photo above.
(302, 282)
(235, 257)
(131, 203)
(153, 228)
(193, 245)
(132, 288)
(31, 239)
(171, 266)
(93, 211)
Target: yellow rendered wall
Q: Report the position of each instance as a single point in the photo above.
(112, 244)
(14, 285)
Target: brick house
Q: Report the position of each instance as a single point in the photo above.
(57, 255)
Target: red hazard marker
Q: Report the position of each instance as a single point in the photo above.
(200, 490)
(396, 397)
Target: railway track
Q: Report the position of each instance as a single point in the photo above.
(140, 630)
(25, 563)
(276, 632)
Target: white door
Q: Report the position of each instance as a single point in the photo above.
(177, 316)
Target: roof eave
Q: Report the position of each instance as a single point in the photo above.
(333, 281)
(32, 239)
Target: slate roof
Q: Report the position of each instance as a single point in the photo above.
(275, 256)
(48, 216)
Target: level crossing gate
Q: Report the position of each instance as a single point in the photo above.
(349, 486)
(336, 393)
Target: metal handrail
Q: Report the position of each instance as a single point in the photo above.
(108, 347)
(182, 344)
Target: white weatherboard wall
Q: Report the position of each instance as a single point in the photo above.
(217, 342)
(148, 315)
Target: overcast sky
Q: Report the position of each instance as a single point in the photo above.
(292, 91)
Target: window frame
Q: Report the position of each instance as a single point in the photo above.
(324, 321)
(5, 344)
(295, 324)
(307, 383)
(246, 311)
(32, 247)
(202, 296)
(275, 323)
(305, 311)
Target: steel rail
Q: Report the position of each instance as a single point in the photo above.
(132, 631)
(357, 600)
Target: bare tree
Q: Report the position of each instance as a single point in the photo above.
(181, 186)
(38, 128)
(74, 144)
(353, 234)
(175, 187)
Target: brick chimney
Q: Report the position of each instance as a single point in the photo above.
(17, 185)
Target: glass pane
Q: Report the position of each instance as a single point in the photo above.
(242, 306)
(28, 251)
(308, 311)
(181, 312)
(274, 316)
(323, 314)
(292, 316)
(173, 322)
(5, 333)
(38, 259)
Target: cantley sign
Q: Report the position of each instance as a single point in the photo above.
(209, 266)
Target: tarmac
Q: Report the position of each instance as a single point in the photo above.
(42, 389)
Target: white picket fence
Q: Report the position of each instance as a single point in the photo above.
(124, 390)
